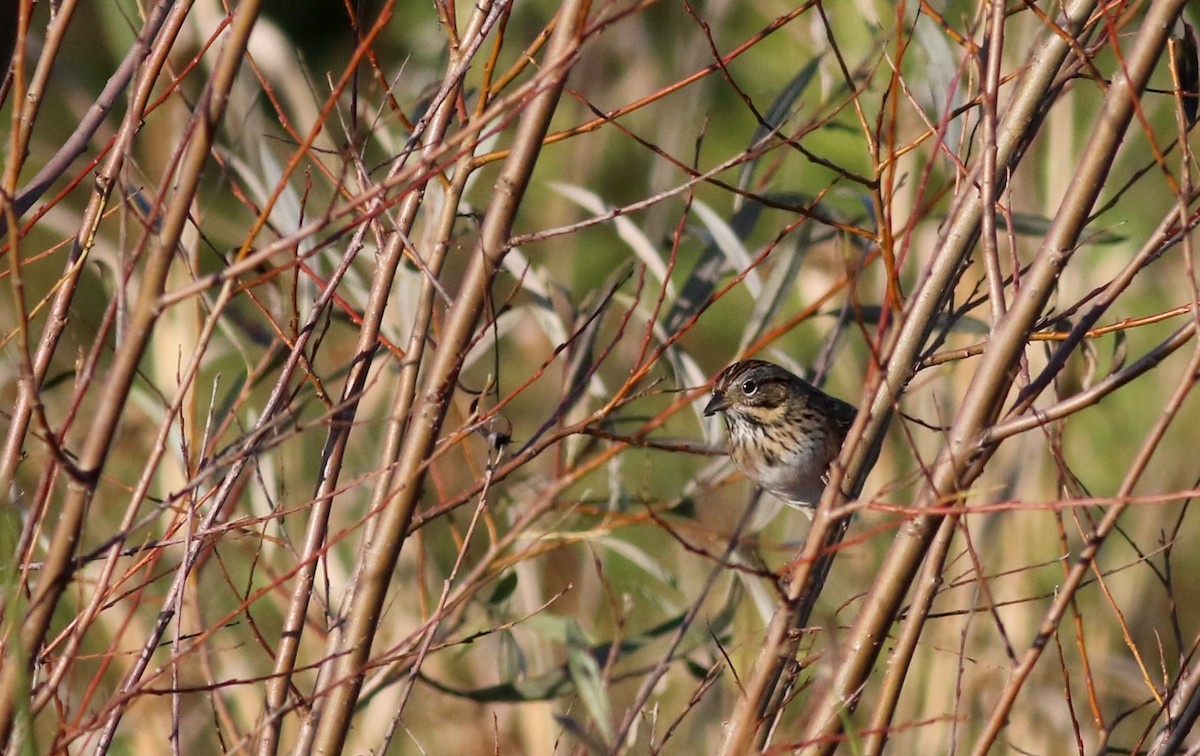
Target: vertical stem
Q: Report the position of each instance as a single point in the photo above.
(57, 570)
(380, 556)
(962, 228)
(958, 463)
(383, 281)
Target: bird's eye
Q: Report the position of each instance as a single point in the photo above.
(749, 387)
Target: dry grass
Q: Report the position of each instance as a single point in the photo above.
(351, 379)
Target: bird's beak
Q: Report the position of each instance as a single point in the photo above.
(718, 403)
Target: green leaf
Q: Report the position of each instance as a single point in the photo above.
(702, 281)
(695, 669)
(559, 681)
(589, 680)
(1035, 225)
(779, 285)
(577, 730)
(627, 230)
(780, 110)
(504, 589)
(730, 243)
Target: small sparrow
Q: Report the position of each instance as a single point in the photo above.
(783, 431)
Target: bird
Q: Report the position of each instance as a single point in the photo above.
(783, 431)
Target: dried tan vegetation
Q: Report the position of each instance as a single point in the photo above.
(352, 359)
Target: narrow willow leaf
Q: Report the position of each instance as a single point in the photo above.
(695, 669)
(558, 682)
(507, 321)
(870, 314)
(775, 294)
(589, 681)
(729, 243)
(1034, 225)
(702, 282)
(545, 687)
(503, 590)
(775, 117)
(533, 281)
(582, 734)
(627, 230)
(686, 370)
(639, 557)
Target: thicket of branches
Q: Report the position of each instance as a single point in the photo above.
(353, 360)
